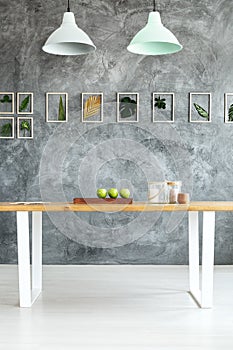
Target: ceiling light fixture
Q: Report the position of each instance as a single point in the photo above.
(154, 38)
(69, 39)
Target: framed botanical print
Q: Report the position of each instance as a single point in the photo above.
(24, 103)
(7, 127)
(92, 107)
(7, 103)
(56, 107)
(163, 107)
(25, 128)
(127, 107)
(228, 107)
(200, 107)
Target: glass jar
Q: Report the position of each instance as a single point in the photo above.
(174, 187)
(157, 192)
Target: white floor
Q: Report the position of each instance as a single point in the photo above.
(116, 307)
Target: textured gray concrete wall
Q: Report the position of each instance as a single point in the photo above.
(83, 157)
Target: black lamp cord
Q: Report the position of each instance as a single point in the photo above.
(68, 7)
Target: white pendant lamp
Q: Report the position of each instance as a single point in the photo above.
(69, 39)
(154, 38)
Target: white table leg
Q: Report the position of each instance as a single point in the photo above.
(203, 297)
(28, 292)
(24, 258)
(208, 259)
(194, 255)
(36, 254)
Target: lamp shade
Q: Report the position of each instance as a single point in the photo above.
(69, 39)
(154, 38)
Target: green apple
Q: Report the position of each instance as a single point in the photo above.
(101, 193)
(125, 193)
(113, 193)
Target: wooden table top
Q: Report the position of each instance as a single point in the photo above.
(135, 207)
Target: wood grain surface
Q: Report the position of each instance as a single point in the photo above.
(135, 207)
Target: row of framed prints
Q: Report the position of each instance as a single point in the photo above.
(24, 103)
(24, 127)
(163, 106)
(24, 106)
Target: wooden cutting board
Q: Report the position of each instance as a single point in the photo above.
(102, 201)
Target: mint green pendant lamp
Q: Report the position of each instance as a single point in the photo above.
(154, 38)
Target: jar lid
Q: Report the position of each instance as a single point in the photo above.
(173, 183)
(157, 182)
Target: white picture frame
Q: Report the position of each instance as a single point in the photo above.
(47, 112)
(172, 94)
(12, 111)
(191, 94)
(19, 94)
(226, 107)
(19, 120)
(12, 119)
(100, 111)
(127, 94)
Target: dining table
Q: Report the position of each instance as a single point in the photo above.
(200, 277)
